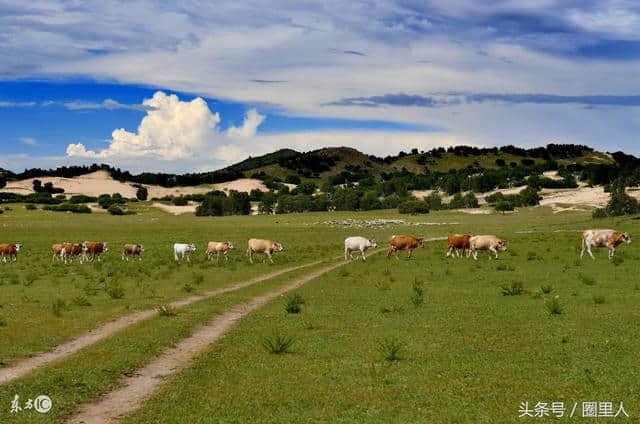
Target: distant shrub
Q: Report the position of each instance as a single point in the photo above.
(68, 207)
(180, 201)
(293, 304)
(115, 210)
(277, 343)
(390, 348)
(142, 193)
(503, 206)
(30, 207)
(413, 207)
(513, 289)
(81, 198)
(188, 288)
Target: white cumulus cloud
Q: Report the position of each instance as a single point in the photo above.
(248, 129)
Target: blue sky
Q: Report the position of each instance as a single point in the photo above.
(157, 87)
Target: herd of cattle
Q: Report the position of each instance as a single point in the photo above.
(458, 245)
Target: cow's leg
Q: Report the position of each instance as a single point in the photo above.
(409, 255)
(589, 251)
(362, 253)
(450, 251)
(612, 251)
(346, 252)
(226, 257)
(584, 244)
(269, 256)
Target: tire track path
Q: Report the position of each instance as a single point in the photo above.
(137, 388)
(25, 366)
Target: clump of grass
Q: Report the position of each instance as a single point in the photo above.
(58, 306)
(554, 306)
(533, 256)
(167, 311)
(386, 272)
(81, 301)
(390, 348)
(598, 299)
(198, 278)
(617, 260)
(188, 288)
(277, 343)
(115, 291)
(308, 325)
(417, 297)
(586, 280)
(382, 285)
(343, 273)
(293, 304)
(29, 279)
(90, 289)
(505, 267)
(392, 309)
(513, 289)
(13, 279)
(3, 322)
(546, 288)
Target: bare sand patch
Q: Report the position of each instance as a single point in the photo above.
(176, 210)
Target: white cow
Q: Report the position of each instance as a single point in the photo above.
(183, 250)
(489, 242)
(603, 238)
(353, 244)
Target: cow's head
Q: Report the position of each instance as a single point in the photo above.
(230, 245)
(373, 243)
(140, 248)
(626, 238)
(502, 245)
(105, 248)
(18, 246)
(84, 247)
(192, 247)
(420, 241)
(278, 247)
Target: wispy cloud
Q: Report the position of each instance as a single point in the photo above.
(108, 104)
(29, 141)
(451, 99)
(4, 103)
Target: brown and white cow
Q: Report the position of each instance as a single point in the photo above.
(95, 249)
(57, 251)
(71, 250)
(489, 242)
(218, 247)
(603, 238)
(268, 247)
(457, 243)
(9, 250)
(408, 243)
(129, 250)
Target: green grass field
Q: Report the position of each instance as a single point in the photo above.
(467, 353)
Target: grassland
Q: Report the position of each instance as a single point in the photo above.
(468, 353)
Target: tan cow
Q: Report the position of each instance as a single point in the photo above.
(408, 243)
(129, 250)
(603, 238)
(457, 242)
(57, 251)
(217, 247)
(95, 249)
(491, 243)
(268, 247)
(9, 250)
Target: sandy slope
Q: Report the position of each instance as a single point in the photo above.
(100, 182)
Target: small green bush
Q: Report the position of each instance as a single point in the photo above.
(115, 210)
(58, 306)
(598, 299)
(390, 348)
(554, 306)
(277, 343)
(115, 291)
(293, 304)
(167, 311)
(546, 288)
(417, 297)
(81, 301)
(513, 289)
(30, 207)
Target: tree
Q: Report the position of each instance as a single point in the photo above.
(3, 181)
(620, 202)
(37, 186)
(142, 193)
(268, 202)
(307, 187)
